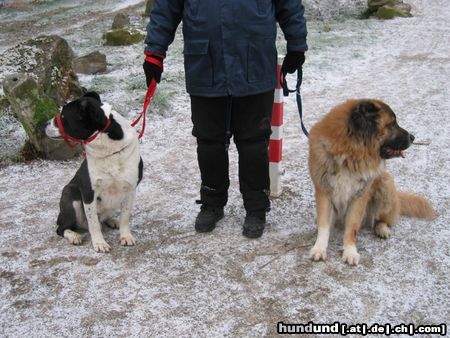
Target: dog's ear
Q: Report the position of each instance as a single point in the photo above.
(115, 131)
(91, 109)
(363, 119)
(86, 104)
(94, 95)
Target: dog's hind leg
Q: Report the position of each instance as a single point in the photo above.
(372, 220)
(385, 220)
(70, 216)
(385, 204)
(111, 222)
(73, 237)
(66, 227)
(324, 221)
(382, 230)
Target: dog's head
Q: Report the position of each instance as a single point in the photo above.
(374, 122)
(79, 119)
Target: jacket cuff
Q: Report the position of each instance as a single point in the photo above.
(296, 51)
(155, 58)
(162, 56)
(298, 46)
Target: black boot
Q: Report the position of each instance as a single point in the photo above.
(207, 218)
(254, 224)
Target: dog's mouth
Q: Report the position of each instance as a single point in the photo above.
(389, 152)
(52, 131)
(395, 147)
(56, 138)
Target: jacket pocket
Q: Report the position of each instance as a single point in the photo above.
(197, 63)
(192, 7)
(262, 60)
(263, 6)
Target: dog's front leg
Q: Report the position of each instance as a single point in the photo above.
(95, 228)
(354, 217)
(324, 220)
(126, 206)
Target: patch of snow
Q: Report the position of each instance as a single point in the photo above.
(179, 283)
(125, 4)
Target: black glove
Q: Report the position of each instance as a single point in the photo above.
(153, 68)
(292, 61)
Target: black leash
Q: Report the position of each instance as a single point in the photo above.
(286, 92)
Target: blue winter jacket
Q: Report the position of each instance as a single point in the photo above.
(229, 45)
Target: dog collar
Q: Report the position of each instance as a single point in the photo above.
(70, 139)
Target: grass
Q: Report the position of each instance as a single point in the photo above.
(101, 83)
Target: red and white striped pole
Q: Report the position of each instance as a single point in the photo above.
(276, 139)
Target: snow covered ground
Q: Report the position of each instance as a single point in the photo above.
(179, 283)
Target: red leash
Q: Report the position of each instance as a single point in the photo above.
(148, 98)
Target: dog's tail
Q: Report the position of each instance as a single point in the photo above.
(415, 206)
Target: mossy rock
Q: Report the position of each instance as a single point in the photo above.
(33, 108)
(390, 12)
(375, 4)
(4, 104)
(123, 37)
(48, 59)
(44, 110)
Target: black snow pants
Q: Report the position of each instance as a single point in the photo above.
(249, 121)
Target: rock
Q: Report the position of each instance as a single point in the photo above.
(33, 109)
(148, 7)
(388, 9)
(123, 37)
(92, 63)
(4, 103)
(38, 79)
(48, 60)
(375, 4)
(120, 21)
(390, 12)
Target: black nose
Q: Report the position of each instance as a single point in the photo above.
(411, 137)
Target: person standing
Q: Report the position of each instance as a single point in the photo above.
(230, 61)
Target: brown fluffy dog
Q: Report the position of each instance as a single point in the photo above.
(347, 153)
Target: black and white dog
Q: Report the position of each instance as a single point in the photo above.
(107, 179)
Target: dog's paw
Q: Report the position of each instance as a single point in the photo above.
(112, 223)
(127, 240)
(73, 237)
(382, 230)
(318, 253)
(350, 255)
(101, 246)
